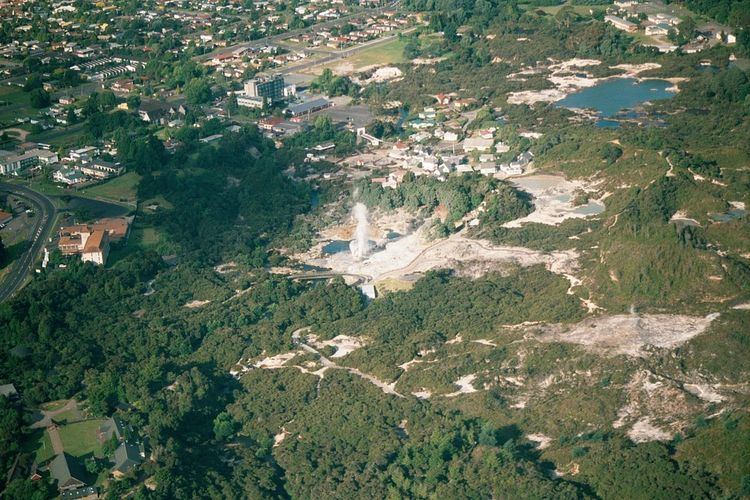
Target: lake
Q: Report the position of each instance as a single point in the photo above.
(612, 96)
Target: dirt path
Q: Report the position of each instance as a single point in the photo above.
(44, 418)
(54, 437)
(19, 132)
(386, 388)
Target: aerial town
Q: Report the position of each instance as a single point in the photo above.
(372, 248)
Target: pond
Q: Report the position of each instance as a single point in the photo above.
(336, 246)
(611, 97)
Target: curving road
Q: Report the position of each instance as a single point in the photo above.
(43, 222)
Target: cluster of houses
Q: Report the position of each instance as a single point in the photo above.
(424, 160)
(633, 16)
(68, 472)
(78, 166)
(236, 62)
(92, 241)
(85, 164)
(71, 477)
(358, 31)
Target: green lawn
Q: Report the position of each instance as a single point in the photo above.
(67, 417)
(391, 52)
(80, 439)
(119, 189)
(387, 53)
(61, 137)
(14, 103)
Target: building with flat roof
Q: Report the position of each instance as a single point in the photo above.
(13, 163)
(308, 107)
(100, 169)
(621, 24)
(261, 90)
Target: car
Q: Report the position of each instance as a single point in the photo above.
(2, 226)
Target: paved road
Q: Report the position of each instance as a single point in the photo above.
(43, 222)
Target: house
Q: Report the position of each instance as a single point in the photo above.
(326, 146)
(112, 428)
(91, 241)
(442, 99)
(211, 138)
(621, 24)
(663, 17)
(157, 112)
(511, 169)
(83, 154)
(127, 456)
(96, 249)
(525, 158)
(8, 391)
(501, 147)
(5, 217)
(67, 472)
(487, 168)
(450, 136)
(101, 169)
(658, 29)
(68, 176)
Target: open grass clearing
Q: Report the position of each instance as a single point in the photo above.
(385, 53)
(120, 189)
(80, 439)
(65, 137)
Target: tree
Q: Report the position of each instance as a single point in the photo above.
(198, 91)
(134, 101)
(611, 153)
(107, 100)
(223, 426)
(32, 82)
(39, 98)
(92, 466)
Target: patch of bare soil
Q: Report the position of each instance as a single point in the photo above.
(630, 334)
(194, 304)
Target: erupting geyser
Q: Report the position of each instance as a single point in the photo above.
(360, 245)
